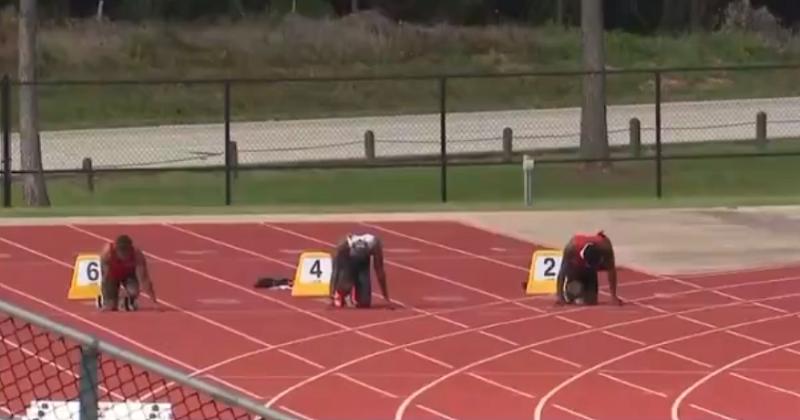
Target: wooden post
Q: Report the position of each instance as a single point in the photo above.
(761, 130)
(369, 145)
(88, 170)
(508, 144)
(635, 134)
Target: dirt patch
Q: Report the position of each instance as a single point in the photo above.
(670, 241)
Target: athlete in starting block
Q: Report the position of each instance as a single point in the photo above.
(351, 271)
(584, 256)
(123, 265)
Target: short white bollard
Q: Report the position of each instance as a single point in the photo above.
(527, 169)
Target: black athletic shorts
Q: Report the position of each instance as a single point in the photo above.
(357, 282)
(589, 285)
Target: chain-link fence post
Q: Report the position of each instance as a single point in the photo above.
(228, 155)
(659, 186)
(443, 134)
(88, 382)
(5, 121)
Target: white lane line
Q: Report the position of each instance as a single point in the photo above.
(572, 321)
(623, 338)
(633, 385)
(430, 359)
(434, 412)
(711, 412)
(573, 412)
(682, 357)
(295, 413)
(366, 385)
(793, 351)
(749, 338)
(499, 338)
(556, 358)
(501, 386)
(698, 322)
(765, 384)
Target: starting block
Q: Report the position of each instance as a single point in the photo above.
(313, 275)
(86, 277)
(543, 274)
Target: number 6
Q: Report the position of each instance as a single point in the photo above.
(92, 271)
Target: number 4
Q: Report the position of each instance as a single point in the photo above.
(316, 268)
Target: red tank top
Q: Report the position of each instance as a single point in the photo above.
(581, 240)
(121, 268)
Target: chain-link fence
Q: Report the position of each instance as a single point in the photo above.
(742, 141)
(51, 372)
(266, 141)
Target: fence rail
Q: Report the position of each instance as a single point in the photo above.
(51, 371)
(100, 127)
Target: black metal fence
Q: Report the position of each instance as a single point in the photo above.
(467, 133)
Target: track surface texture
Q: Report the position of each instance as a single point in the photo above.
(465, 342)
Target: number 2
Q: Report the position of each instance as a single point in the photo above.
(316, 268)
(550, 265)
(92, 271)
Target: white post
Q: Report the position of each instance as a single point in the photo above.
(527, 169)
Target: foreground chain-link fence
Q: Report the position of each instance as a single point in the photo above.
(242, 136)
(49, 371)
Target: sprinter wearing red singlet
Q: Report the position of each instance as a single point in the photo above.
(123, 265)
(584, 256)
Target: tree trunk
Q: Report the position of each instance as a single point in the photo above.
(676, 14)
(697, 12)
(34, 188)
(594, 133)
(560, 12)
(354, 6)
(100, 14)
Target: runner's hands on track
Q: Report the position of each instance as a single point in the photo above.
(389, 304)
(615, 300)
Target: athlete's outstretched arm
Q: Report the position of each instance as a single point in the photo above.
(567, 255)
(380, 272)
(338, 255)
(611, 267)
(143, 274)
(105, 256)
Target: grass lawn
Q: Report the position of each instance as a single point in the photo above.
(734, 180)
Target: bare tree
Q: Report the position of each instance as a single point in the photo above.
(594, 133)
(34, 189)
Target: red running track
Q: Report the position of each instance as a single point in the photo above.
(465, 345)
